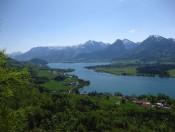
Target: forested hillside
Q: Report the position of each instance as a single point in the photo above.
(25, 107)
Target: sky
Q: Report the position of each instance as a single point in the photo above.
(25, 24)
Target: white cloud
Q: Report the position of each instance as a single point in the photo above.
(132, 30)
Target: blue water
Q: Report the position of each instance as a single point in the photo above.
(127, 85)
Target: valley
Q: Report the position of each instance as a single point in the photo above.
(87, 66)
(39, 99)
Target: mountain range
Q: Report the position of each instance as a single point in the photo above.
(152, 48)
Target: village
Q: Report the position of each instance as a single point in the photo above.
(161, 103)
(146, 101)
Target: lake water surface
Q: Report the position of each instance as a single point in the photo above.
(127, 85)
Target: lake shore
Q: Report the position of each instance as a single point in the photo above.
(127, 85)
(135, 70)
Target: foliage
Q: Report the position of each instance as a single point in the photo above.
(16, 96)
(59, 78)
(160, 70)
(24, 108)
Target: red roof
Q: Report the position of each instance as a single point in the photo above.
(146, 105)
(140, 101)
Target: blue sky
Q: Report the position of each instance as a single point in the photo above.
(30, 23)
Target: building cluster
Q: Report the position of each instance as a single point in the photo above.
(147, 104)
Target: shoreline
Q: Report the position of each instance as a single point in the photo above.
(137, 75)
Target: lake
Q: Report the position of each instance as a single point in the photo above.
(127, 85)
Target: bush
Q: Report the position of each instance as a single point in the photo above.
(59, 78)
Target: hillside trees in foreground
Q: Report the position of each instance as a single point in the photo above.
(20, 102)
(24, 108)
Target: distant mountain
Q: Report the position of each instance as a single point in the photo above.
(129, 44)
(153, 48)
(110, 52)
(92, 46)
(113, 51)
(14, 54)
(61, 53)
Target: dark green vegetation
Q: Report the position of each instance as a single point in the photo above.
(37, 61)
(137, 69)
(25, 106)
(154, 48)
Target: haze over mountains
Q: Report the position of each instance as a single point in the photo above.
(153, 48)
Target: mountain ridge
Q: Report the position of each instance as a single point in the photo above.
(154, 47)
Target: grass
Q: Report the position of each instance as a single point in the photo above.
(172, 73)
(113, 100)
(118, 71)
(55, 85)
(46, 73)
(104, 100)
(129, 105)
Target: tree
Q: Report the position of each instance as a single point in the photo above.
(17, 97)
(81, 128)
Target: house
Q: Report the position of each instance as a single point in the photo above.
(159, 104)
(140, 102)
(163, 104)
(146, 105)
